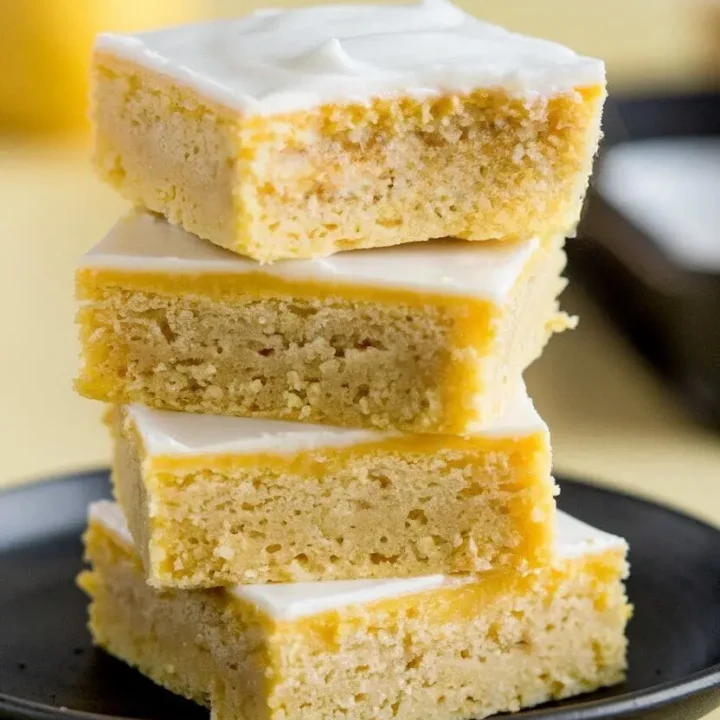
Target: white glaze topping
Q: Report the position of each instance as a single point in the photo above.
(147, 243)
(174, 433)
(290, 601)
(277, 61)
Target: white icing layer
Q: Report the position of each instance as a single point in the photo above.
(278, 61)
(111, 517)
(173, 433)
(290, 601)
(147, 243)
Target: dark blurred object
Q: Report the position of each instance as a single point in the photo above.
(661, 287)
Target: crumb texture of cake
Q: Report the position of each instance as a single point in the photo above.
(302, 133)
(429, 338)
(217, 500)
(369, 650)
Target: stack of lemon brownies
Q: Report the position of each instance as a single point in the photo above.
(335, 496)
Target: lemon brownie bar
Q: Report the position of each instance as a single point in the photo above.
(215, 500)
(297, 134)
(432, 646)
(430, 337)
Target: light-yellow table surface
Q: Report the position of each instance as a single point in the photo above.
(612, 421)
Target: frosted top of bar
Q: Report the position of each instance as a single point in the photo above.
(171, 433)
(276, 61)
(290, 601)
(486, 270)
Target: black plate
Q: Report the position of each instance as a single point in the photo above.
(48, 669)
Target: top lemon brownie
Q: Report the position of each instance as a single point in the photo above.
(299, 133)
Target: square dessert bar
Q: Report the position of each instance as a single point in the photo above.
(216, 500)
(429, 337)
(431, 646)
(297, 134)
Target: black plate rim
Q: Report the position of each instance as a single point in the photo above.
(648, 699)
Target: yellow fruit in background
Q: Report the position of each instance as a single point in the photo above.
(45, 50)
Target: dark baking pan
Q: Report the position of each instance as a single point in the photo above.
(667, 305)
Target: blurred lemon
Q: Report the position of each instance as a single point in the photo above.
(45, 50)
